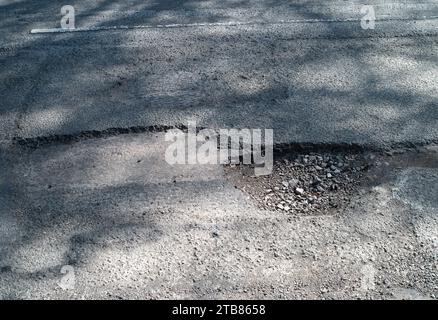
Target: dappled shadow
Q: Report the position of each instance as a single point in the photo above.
(152, 77)
(113, 207)
(302, 81)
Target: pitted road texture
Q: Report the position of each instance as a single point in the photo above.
(90, 209)
(130, 226)
(305, 69)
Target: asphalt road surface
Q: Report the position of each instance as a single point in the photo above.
(90, 209)
(303, 68)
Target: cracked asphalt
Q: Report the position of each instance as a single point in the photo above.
(133, 227)
(305, 69)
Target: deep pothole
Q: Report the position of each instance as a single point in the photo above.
(318, 182)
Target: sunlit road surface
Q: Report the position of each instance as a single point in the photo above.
(89, 208)
(306, 69)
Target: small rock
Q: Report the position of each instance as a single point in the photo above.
(316, 181)
(5, 269)
(299, 191)
(389, 153)
(293, 183)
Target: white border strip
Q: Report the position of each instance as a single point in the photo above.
(216, 24)
(188, 25)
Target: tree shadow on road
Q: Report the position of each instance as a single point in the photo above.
(242, 76)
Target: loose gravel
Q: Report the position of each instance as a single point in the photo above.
(306, 183)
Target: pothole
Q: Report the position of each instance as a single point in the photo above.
(304, 183)
(324, 181)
